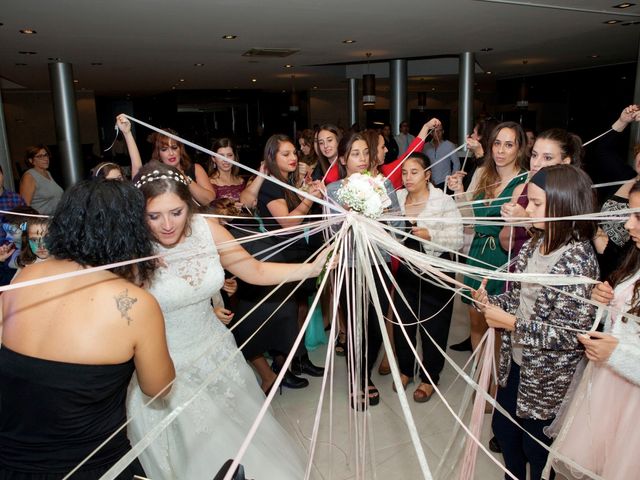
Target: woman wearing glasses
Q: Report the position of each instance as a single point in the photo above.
(37, 186)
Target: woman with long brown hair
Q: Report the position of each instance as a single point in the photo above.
(503, 169)
(225, 177)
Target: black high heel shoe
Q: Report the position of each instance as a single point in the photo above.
(290, 380)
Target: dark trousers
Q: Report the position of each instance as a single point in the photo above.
(370, 329)
(427, 301)
(517, 447)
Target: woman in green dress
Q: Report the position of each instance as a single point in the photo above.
(494, 182)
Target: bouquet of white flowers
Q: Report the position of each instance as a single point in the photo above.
(364, 194)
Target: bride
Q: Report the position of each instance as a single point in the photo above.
(211, 429)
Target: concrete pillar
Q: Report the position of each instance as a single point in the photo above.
(465, 95)
(66, 119)
(354, 100)
(398, 74)
(5, 156)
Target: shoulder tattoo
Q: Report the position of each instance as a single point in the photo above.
(124, 303)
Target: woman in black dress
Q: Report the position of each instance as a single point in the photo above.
(70, 346)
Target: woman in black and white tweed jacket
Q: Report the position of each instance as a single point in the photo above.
(538, 356)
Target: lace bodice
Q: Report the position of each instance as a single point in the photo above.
(213, 421)
(184, 287)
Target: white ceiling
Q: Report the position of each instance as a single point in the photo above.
(146, 46)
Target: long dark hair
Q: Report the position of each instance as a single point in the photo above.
(99, 222)
(570, 144)
(629, 266)
(344, 149)
(490, 177)
(162, 178)
(568, 192)
(270, 151)
(308, 136)
(329, 127)
(217, 145)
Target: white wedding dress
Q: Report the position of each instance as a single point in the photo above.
(210, 430)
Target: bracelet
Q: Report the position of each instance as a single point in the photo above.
(189, 179)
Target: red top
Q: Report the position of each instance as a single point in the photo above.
(396, 177)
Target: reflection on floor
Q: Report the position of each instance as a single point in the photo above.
(393, 453)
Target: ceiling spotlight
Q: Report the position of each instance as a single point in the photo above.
(181, 80)
(254, 80)
(433, 89)
(28, 31)
(488, 72)
(486, 49)
(27, 53)
(198, 64)
(229, 37)
(76, 81)
(612, 22)
(315, 87)
(173, 88)
(595, 55)
(348, 41)
(624, 5)
(288, 65)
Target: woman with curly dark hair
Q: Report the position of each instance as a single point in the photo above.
(70, 346)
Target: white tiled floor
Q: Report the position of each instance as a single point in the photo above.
(393, 455)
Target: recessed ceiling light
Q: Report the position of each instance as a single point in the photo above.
(315, 87)
(96, 64)
(284, 91)
(181, 80)
(624, 5)
(76, 81)
(612, 22)
(27, 53)
(433, 88)
(488, 72)
(288, 65)
(623, 78)
(28, 31)
(173, 88)
(198, 64)
(594, 56)
(486, 49)
(229, 37)
(254, 80)
(21, 64)
(348, 41)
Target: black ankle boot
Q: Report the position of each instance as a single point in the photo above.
(302, 365)
(290, 380)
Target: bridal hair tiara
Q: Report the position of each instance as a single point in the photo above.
(158, 175)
